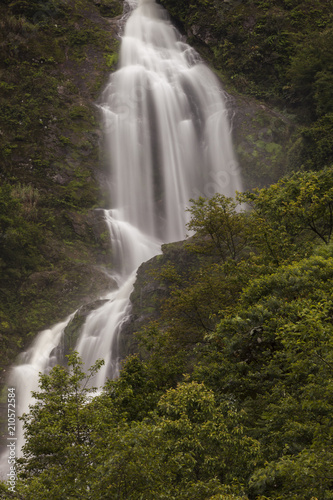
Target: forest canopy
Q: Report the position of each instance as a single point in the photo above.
(230, 393)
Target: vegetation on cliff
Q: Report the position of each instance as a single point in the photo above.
(54, 58)
(229, 392)
(281, 53)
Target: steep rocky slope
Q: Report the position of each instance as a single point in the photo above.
(55, 58)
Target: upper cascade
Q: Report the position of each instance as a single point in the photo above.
(167, 127)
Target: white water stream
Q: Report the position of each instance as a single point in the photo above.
(168, 141)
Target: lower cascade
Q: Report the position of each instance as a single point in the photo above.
(168, 140)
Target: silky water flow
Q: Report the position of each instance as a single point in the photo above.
(168, 140)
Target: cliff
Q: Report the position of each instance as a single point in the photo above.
(55, 61)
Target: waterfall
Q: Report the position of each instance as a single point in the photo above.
(39, 358)
(168, 140)
(169, 137)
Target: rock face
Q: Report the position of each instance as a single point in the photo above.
(55, 59)
(74, 328)
(150, 291)
(261, 138)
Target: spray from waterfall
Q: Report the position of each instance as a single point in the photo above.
(168, 140)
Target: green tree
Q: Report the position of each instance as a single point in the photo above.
(218, 226)
(311, 71)
(58, 434)
(184, 444)
(189, 447)
(273, 356)
(292, 215)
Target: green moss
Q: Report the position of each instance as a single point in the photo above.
(264, 47)
(52, 67)
(273, 148)
(111, 60)
(79, 112)
(110, 8)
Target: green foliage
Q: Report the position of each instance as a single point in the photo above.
(311, 73)
(111, 60)
(58, 433)
(293, 214)
(49, 161)
(19, 235)
(110, 8)
(254, 43)
(187, 447)
(316, 149)
(251, 418)
(257, 329)
(36, 10)
(225, 228)
(135, 394)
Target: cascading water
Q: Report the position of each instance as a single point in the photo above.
(169, 140)
(169, 133)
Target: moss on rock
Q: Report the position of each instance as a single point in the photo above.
(53, 242)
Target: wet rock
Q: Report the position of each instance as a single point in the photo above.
(74, 329)
(150, 292)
